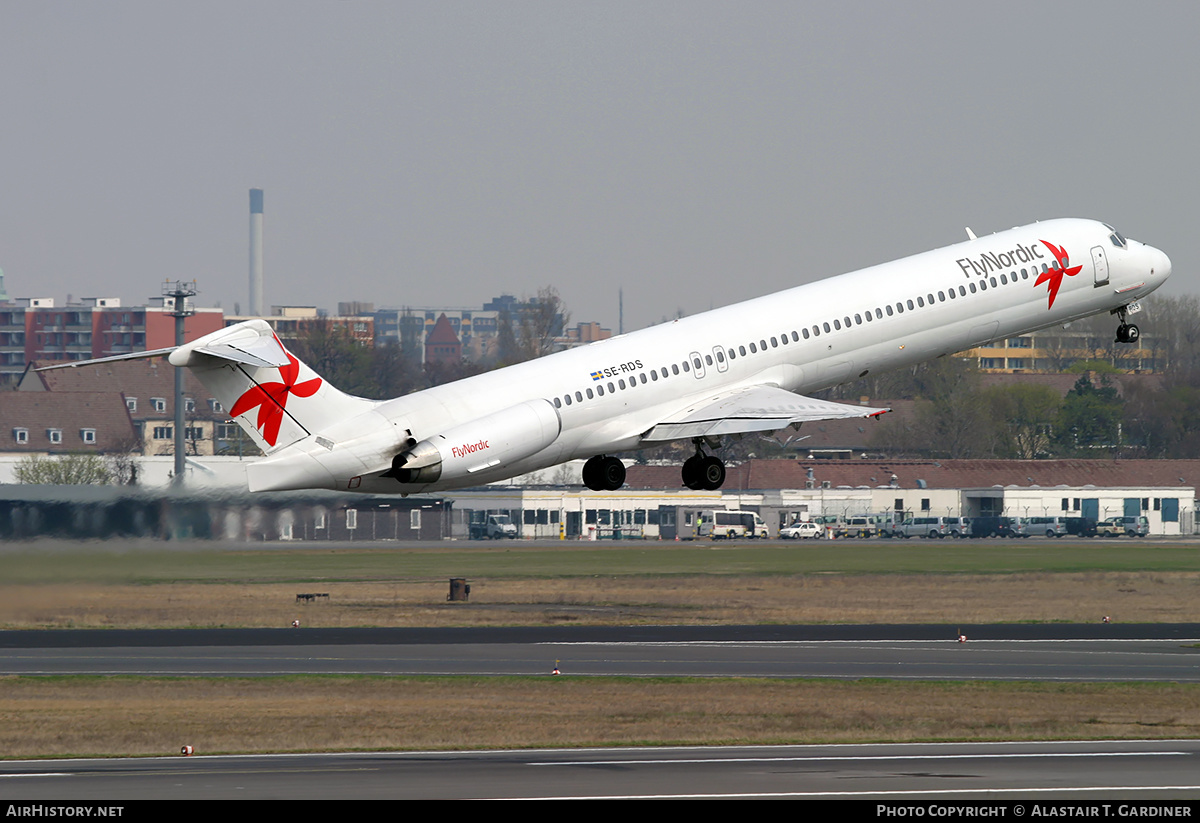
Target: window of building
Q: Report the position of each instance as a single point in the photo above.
(163, 432)
(131, 403)
(159, 404)
(88, 435)
(21, 435)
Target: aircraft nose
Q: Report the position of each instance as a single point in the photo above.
(1160, 264)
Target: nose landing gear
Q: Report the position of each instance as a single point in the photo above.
(1126, 332)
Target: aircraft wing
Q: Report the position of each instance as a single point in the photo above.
(753, 409)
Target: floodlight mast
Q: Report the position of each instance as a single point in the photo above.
(176, 296)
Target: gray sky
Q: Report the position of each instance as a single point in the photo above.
(694, 153)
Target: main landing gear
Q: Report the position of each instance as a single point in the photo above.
(603, 473)
(703, 471)
(1126, 332)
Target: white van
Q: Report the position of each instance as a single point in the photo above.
(721, 524)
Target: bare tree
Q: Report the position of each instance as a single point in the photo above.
(63, 470)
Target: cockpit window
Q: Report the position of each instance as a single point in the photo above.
(1115, 237)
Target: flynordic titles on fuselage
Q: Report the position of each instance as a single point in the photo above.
(999, 261)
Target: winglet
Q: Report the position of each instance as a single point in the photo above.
(971, 234)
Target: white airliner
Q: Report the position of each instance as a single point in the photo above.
(728, 371)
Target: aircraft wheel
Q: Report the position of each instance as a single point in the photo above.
(693, 472)
(1132, 333)
(591, 473)
(712, 472)
(612, 474)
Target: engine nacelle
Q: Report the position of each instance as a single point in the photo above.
(498, 439)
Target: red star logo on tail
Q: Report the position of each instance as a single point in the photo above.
(1054, 275)
(271, 398)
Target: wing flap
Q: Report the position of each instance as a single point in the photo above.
(754, 409)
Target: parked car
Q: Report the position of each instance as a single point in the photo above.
(1117, 526)
(493, 527)
(991, 526)
(1049, 526)
(1081, 526)
(857, 527)
(721, 523)
(922, 527)
(803, 530)
(957, 527)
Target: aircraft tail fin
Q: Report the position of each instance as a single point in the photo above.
(265, 389)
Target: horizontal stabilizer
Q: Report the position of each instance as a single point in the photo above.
(136, 355)
(754, 409)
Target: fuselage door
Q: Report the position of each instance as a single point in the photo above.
(1100, 263)
(697, 364)
(720, 359)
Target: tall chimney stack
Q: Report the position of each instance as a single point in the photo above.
(256, 253)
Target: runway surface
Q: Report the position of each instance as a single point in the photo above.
(1018, 652)
(1149, 770)
(1035, 772)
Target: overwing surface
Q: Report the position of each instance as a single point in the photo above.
(752, 409)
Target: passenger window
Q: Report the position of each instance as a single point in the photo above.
(921, 302)
(707, 360)
(600, 390)
(579, 396)
(774, 343)
(837, 324)
(620, 383)
(910, 305)
(557, 403)
(972, 287)
(889, 310)
(742, 350)
(805, 333)
(795, 337)
(675, 368)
